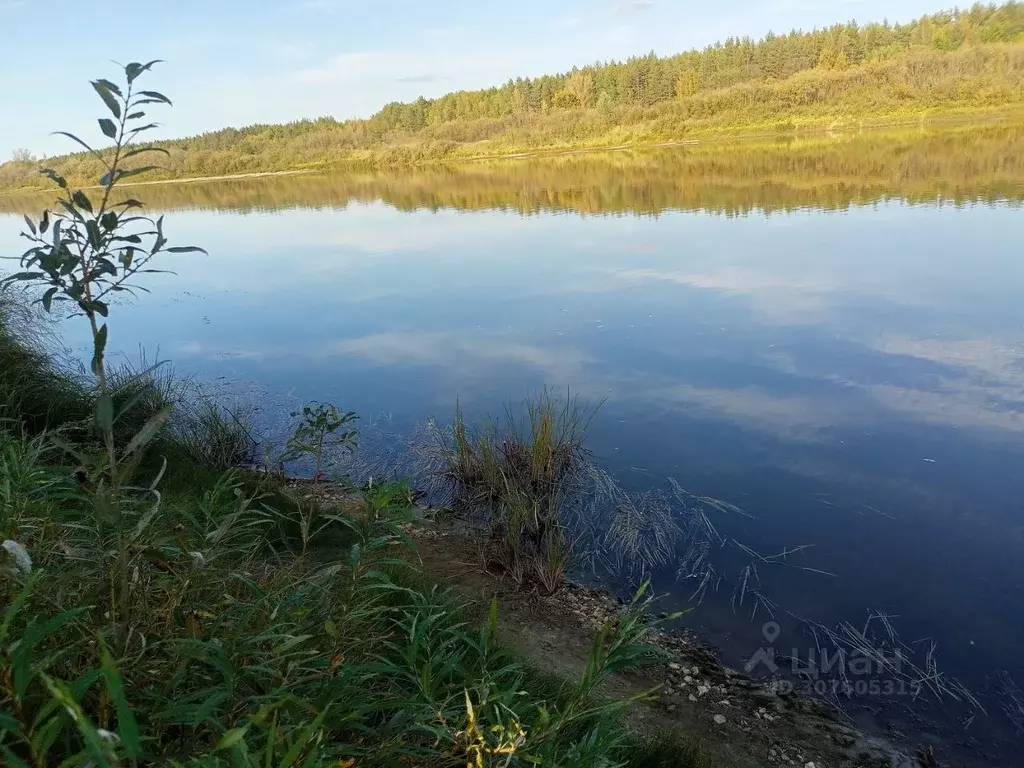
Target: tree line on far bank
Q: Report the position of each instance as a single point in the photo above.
(956, 63)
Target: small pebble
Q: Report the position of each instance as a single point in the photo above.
(720, 719)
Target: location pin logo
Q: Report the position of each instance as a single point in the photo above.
(771, 632)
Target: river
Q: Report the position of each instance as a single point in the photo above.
(827, 333)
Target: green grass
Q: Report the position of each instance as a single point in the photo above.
(262, 631)
(34, 389)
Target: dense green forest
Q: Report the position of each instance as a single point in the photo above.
(955, 64)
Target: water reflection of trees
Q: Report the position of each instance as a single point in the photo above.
(957, 166)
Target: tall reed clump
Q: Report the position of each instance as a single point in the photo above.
(517, 471)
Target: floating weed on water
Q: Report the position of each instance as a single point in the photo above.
(1012, 700)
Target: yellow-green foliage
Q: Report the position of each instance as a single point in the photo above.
(962, 63)
(957, 163)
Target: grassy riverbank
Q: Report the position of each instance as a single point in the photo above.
(263, 626)
(954, 66)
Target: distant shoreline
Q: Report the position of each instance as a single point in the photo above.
(159, 182)
(223, 177)
(369, 163)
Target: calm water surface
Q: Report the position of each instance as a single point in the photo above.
(847, 366)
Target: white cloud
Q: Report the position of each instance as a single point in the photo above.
(780, 298)
(458, 349)
(460, 354)
(470, 67)
(347, 67)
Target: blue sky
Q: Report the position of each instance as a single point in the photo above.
(233, 63)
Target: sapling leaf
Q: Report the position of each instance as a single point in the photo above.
(99, 347)
(47, 300)
(106, 90)
(82, 200)
(134, 69)
(114, 87)
(136, 171)
(140, 150)
(73, 138)
(93, 231)
(155, 96)
(108, 127)
(73, 212)
(55, 177)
